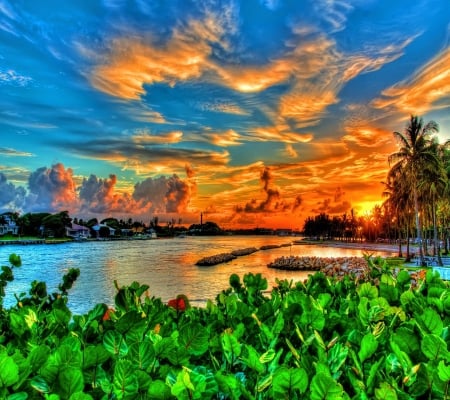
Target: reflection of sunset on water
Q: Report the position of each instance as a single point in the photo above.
(166, 265)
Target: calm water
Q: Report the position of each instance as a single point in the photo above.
(166, 265)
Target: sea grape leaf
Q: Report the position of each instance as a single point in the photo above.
(130, 322)
(158, 390)
(125, 383)
(336, 357)
(229, 385)
(94, 355)
(444, 371)
(18, 324)
(70, 381)
(431, 321)
(18, 396)
(369, 345)
(264, 382)
(194, 338)
(385, 392)
(407, 340)
(9, 371)
(268, 356)
(278, 325)
(38, 356)
(142, 354)
(15, 260)
(366, 289)
(323, 386)
(402, 357)
(65, 356)
(204, 382)
(231, 346)
(434, 347)
(115, 343)
(252, 359)
(80, 396)
(40, 384)
(183, 388)
(373, 371)
(403, 277)
(287, 381)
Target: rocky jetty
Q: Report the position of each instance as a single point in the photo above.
(331, 266)
(270, 246)
(244, 252)
(216, 259)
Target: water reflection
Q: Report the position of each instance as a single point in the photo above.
(166, 265)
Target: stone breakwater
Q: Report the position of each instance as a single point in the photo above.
(331, 266)
(224, 257)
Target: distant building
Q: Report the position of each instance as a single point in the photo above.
(9, 226)
(78, 232)
(284, 232)
(96, 229)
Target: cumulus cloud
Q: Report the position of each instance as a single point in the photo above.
(98, 195)
(11, 197)
(51, 189)
(163, 195)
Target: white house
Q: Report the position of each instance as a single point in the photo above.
(78, 232)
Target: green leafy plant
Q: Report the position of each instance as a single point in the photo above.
(384, 338)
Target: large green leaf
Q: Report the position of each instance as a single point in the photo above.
(323, 386)
(65, 356)
(251, 359)
(125, 382)
(229, 386)
(431, 321)
(194, 338)
(385, 392)
(9, 371)
(444, 371)
(369, 345)
(38, 356)
(80, 396)
(336, 358)
(115, 343)
(158, 390)
(287, 381)
(183, 388)
(231, 346)
(40, 384)
(367, 290)
(434, 347)
(142, 354)
(95, 355)
(18, 396)
(70, 381)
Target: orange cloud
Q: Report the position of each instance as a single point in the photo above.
(429, 88)
(143, 136)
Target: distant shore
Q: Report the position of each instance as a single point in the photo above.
(379, 247)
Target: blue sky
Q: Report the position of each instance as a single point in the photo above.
(255, 112)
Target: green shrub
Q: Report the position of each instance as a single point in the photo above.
(386, 338)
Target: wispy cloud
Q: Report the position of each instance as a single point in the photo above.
(428, 88)
(8, 152)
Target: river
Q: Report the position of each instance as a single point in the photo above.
(166, 265)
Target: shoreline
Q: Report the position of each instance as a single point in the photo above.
(380, 247)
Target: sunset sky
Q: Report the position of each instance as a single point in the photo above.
(252, 112)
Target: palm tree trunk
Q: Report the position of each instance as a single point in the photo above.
(418, 226)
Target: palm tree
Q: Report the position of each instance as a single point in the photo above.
(414, 156)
